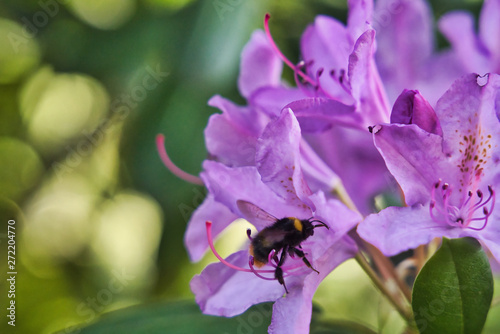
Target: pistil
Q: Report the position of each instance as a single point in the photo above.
(464, 215)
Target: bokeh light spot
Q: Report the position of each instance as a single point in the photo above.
(103, 14)
(19, 52)
(20, 167)
(58, 108)
(58, 220)
(128, 235)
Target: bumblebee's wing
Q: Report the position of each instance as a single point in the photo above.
(255, 215)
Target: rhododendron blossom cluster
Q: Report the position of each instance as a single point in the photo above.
(374, 112)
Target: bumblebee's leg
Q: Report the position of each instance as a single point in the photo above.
(301, 254)
(278, 273)
(293, 250)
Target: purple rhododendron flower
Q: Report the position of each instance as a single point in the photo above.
(276, 185)
(446, 163)
(338, 94)
(476, 52)
(293, 153)
(406, 55)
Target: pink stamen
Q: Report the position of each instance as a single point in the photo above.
(492, 195)
(297, 80)
(444, 197)
(208, 225)
(434, 218)
(282, 56)
(485, 210)
(460, 216)
(160, 145)
(250, 264)
(270, 258)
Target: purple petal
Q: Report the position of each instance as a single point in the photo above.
(468, 116)
(404, 40)
(327, 45)
(247, 118)
(394, 229)
(260, 65)
(278, 159)
(292, 314)
(224, 291)
(458, 27)
(412, 108)
(231, 136)
(366, 87)
(320, 114)
(195, 238)
(415, 158)
(491, 233)
(318, 174)
(339, 218)
(437, 74)
(489, 29)
(360, 16)
(230, 144)
(351, 154)
(228, 185)
(272, 100)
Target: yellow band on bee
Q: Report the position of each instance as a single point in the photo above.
(298, 224)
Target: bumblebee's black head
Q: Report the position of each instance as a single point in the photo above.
(308, 226)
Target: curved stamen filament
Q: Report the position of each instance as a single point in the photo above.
(434, 218)
(160, 145)
(256, 272)
(297, 69)
(487, 213)
(299, 84)
(463, 215)
(281, 55)
(492, 195)
(443, 210)
(208, 225)
(270, 258)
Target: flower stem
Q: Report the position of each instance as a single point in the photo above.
(387, 269)
(383, 264)
(420, 256)
(403, 309)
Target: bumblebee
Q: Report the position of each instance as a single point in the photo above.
(285, 235)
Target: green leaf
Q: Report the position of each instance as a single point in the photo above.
(320, 325)
(185, 317)
(339, 327)
(453, 291)
(180, 318)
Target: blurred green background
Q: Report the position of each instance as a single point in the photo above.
(85, 86)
